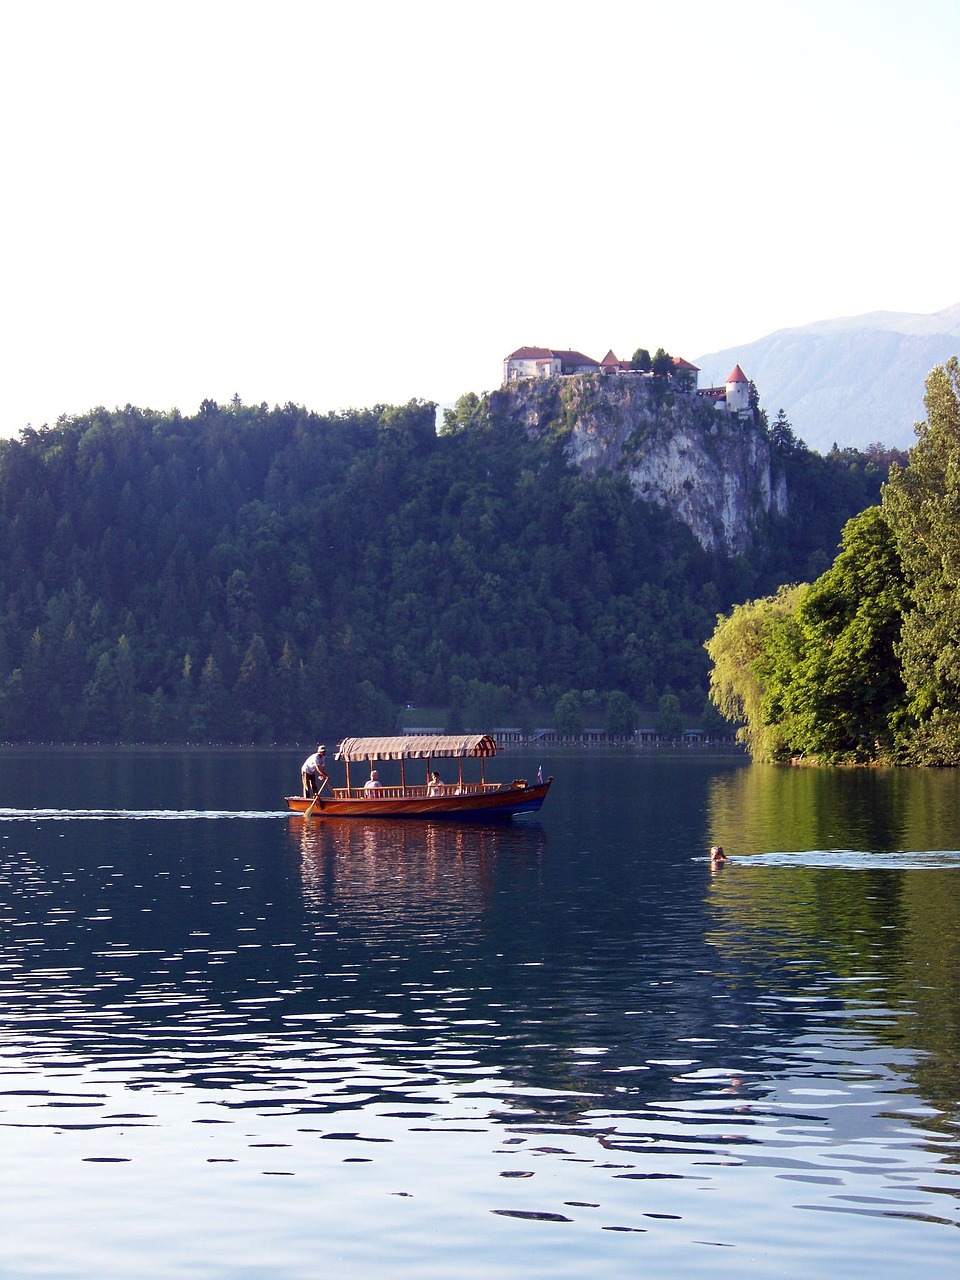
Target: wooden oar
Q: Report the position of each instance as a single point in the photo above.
(309, 810)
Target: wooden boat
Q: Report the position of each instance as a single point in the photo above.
(463, 800)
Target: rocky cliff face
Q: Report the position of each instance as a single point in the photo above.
(711, 470)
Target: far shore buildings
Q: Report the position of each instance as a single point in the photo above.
(548, 362)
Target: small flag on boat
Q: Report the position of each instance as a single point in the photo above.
(539, 774)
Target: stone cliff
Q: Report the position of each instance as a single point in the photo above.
(712, 470)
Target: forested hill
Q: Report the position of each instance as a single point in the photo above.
(249, 574)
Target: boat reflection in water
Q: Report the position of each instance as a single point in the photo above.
(412, 869)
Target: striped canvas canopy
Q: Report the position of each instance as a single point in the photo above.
(417, 747)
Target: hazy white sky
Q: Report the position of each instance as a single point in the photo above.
(344, 204)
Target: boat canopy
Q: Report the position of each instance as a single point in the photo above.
(414, 746)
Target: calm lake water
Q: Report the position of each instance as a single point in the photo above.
(237, 1044)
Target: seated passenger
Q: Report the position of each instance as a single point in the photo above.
(434, 785)
(372, 783)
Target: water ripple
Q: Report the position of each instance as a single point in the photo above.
(135, 815)
(504, 1043)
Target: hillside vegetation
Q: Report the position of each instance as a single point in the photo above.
(253, 574)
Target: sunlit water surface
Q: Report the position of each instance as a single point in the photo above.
(237, 1044)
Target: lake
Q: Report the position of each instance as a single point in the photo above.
(234, 1043)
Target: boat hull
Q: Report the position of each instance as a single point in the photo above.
(482, 806)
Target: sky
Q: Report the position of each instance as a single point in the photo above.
(342, 205)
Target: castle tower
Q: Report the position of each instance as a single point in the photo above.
(738, 391)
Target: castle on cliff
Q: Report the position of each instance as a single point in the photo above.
(545, 362)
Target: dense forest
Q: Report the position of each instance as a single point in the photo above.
(863, 664)
(251, 574)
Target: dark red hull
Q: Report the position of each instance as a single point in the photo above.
(480, 803)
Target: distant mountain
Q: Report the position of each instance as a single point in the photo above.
(854, 380)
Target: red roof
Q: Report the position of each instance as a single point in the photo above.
(738, 375)
(530, 353)
(549, 353)
(574, 357)
(610, 358)
(685, 364)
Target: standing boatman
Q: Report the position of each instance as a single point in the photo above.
(312, 773)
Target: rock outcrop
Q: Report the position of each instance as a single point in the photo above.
(711, 469)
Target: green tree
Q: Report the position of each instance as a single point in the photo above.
(210, 718)
(487, 705)
(568, 715)
(374, 712)
(38, 693)
(759, 414)
(641, 362)
(102, 701)
(125, 673)
(456, 705)
(782, 435)
(468, 413)
(845, 695)
(669, 721)
(73, 674)
(922, 504)
(621, 715)
(255, 692)
(740, 649)
(814, 669)
(711, 721)
(240, 600)
(291, 694)
(184, 693)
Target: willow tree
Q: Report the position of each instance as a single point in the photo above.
(922, 504)
(746, 647)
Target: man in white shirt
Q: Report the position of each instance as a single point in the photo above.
(312, 773)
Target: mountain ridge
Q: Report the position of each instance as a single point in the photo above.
(849, 380)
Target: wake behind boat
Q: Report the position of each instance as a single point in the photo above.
(464, 800)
